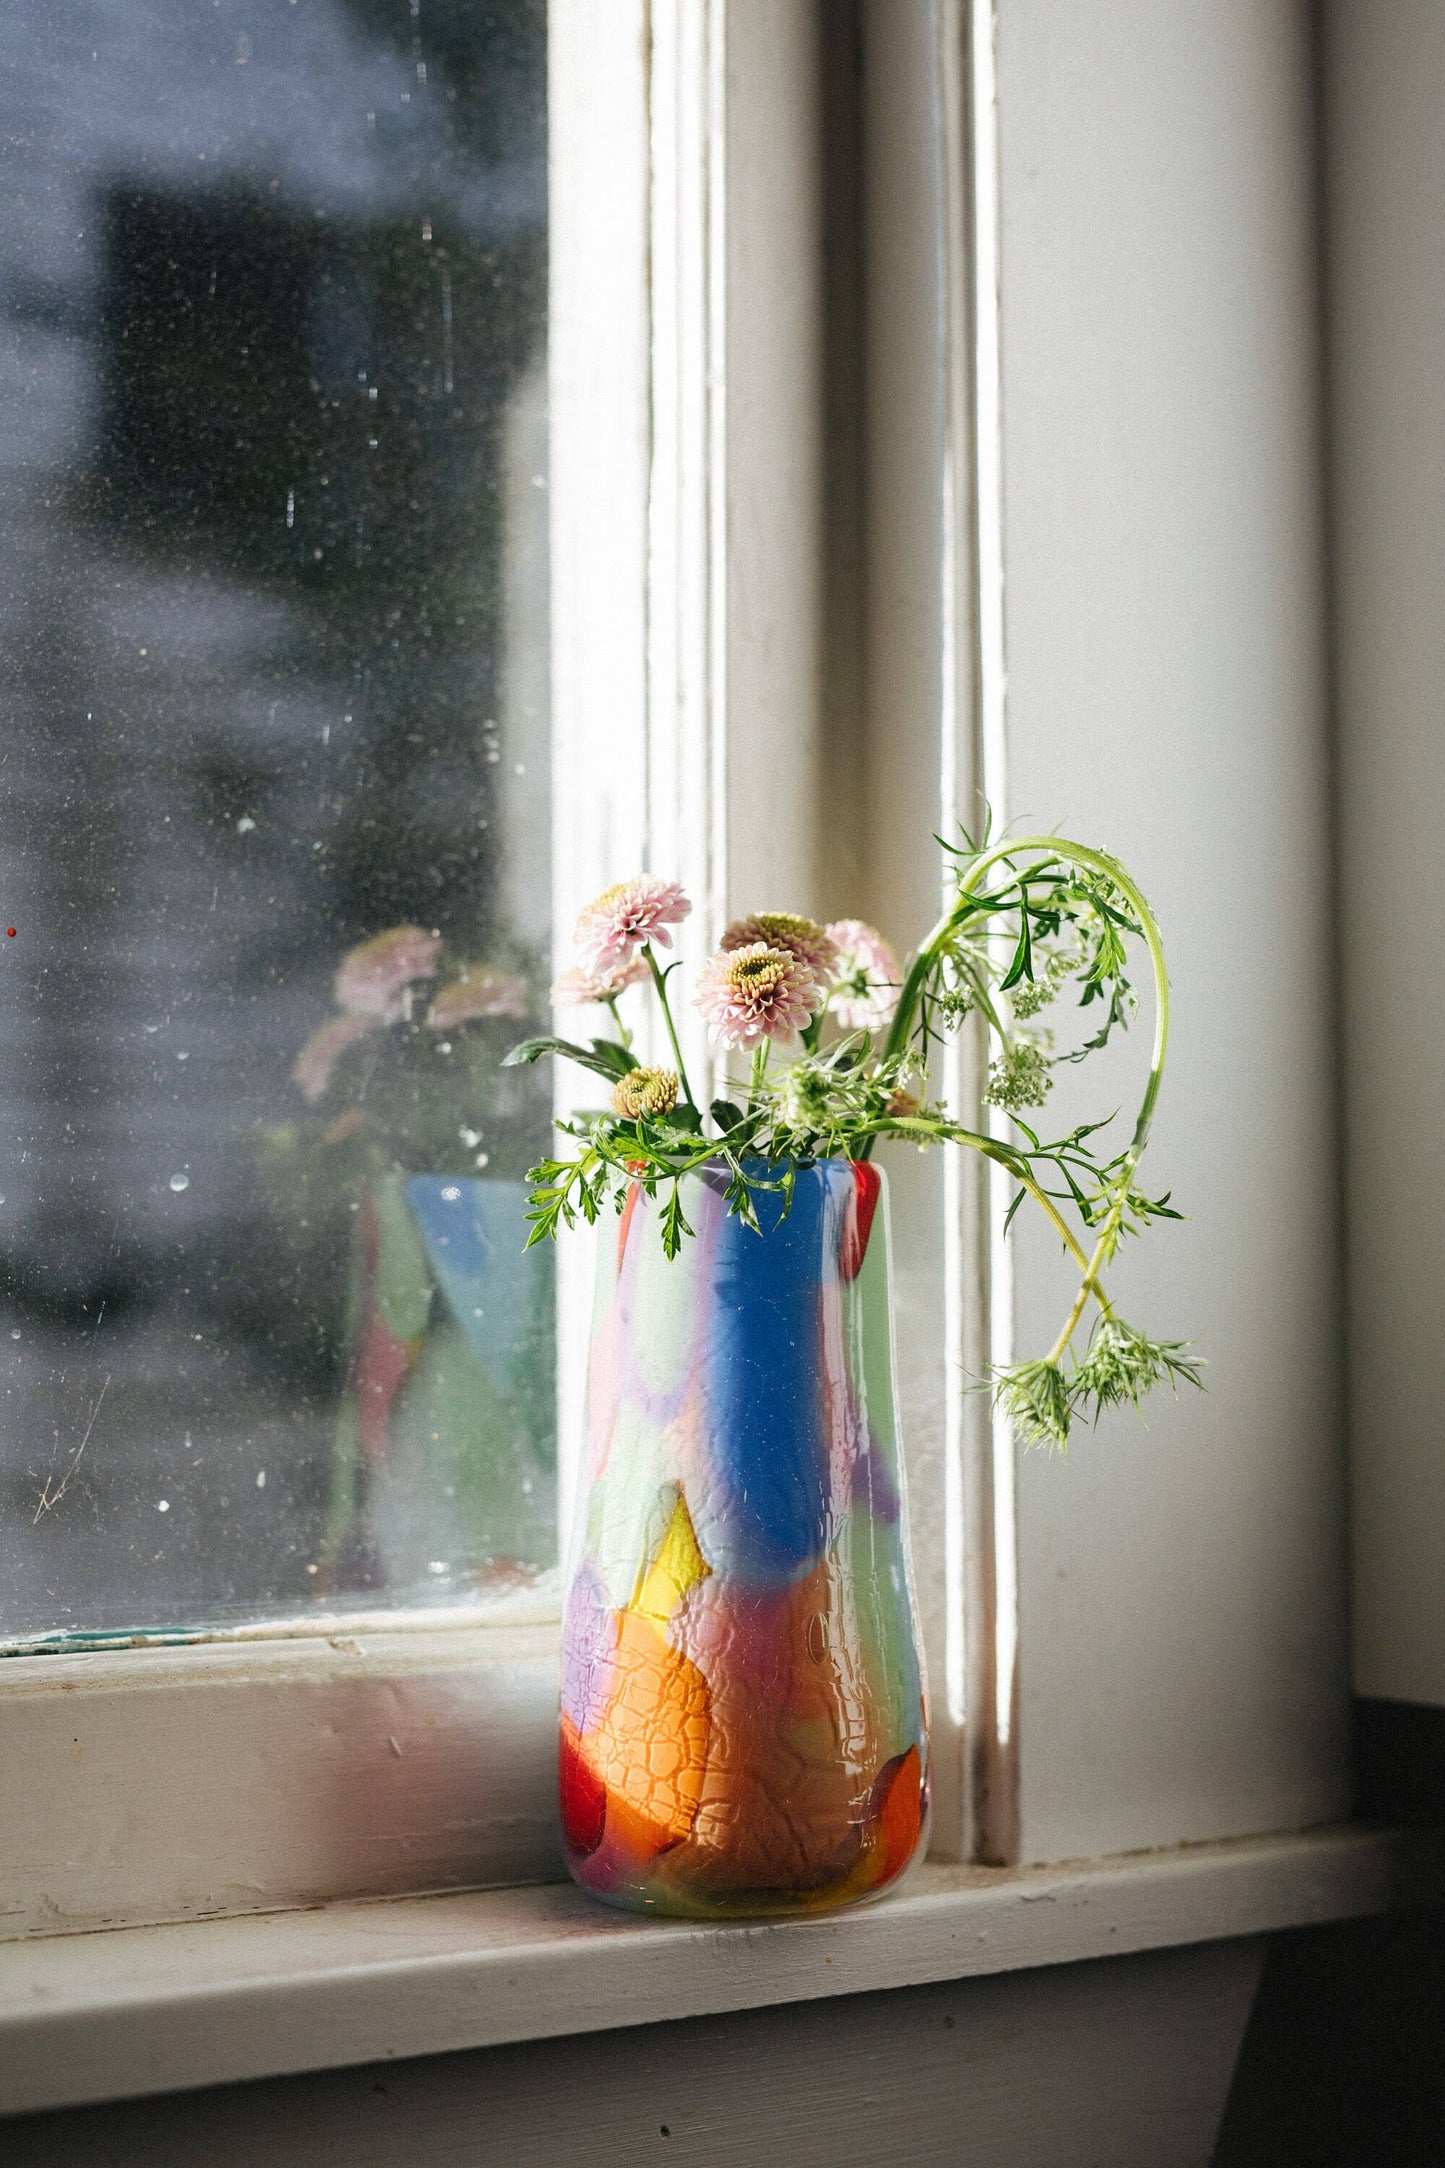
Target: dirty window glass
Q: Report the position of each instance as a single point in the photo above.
(274, 877)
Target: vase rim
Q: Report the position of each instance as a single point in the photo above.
(759, 1159)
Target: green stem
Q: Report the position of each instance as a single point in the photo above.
(623, 1034)
(759, 1070)
(926, 961)
(660, 982)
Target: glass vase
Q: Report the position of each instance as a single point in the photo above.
(743, 1726)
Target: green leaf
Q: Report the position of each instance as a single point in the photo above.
(620, 1061)
(603, 1057)
(725, 1114)
(1022, 966)
(674, 1225)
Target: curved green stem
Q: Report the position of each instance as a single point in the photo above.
(1006, 1157)
(660, 982)
(926, 961)
(624, 1036)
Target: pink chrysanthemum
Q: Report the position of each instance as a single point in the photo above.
(617, 923)
(371, 979)
(868, 977)
(803, 938)
(579, 985)
(756, 993)
(478, 990)
(325, 1047)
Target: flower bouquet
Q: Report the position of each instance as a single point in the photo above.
(442, 1475)
(743, 1729)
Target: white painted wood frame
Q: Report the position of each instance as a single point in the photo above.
(1183, 1670)
(1384, 162)
(250, 1772)
(1089, 482)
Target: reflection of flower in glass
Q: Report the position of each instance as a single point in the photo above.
(325, 1047)
(869, 976)
(756, 993)
(478, 990)
(804, 938)
(616, 923)
(644, 1092)
(578, 985)
(371, 979)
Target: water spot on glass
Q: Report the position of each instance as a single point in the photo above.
(519, 767)
(426, 229)
(15, 1335)
(163, 1505)
(451, 1193)
(483, 1159)
(444, 1046)
(436, 1565)
(244, 825)
(313, 1569)
(290, 507)
(260, 1479)
(180, 1182)
(183, 1054)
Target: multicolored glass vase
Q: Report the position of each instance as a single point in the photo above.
(743, 1721)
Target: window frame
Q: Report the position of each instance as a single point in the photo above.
(691, 480)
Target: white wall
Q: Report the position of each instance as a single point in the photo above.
(1182, 1587)
(1385, 141)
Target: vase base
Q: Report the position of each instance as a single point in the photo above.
(660, 1899)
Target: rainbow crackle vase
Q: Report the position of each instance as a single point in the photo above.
(743, 1722)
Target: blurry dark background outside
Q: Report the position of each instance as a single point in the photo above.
(272, 679)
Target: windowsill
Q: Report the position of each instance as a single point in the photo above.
(157, 2009)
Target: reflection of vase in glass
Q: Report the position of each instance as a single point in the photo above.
(743, 1727)
(443, 1471)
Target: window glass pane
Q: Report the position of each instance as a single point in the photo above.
(272, 686)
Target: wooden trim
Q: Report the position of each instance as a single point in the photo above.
(240, 1777)
(151, 2010)
(361, 1759)
(933, 681)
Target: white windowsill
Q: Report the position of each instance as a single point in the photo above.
(156, 2009)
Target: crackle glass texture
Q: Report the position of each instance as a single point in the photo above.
(273, 681)
(743, 1726)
